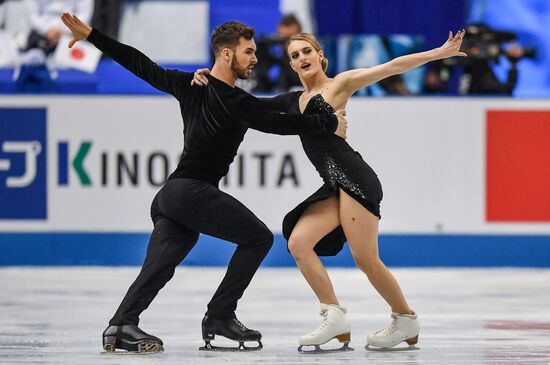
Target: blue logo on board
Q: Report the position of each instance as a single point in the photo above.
(23, 156)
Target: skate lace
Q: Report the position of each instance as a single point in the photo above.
(392, 328)
(241, 326)
(324, 323)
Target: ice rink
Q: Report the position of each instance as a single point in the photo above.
(468, 316)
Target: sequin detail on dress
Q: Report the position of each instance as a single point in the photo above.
(319, 105)
(336, 174)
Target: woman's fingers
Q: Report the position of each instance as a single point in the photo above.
(200, 76)
(458, 35)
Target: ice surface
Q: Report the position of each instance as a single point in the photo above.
(468, 316)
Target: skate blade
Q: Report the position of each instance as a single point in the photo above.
(241, 348)
(391, 349)
(318, 350)
(128, 353)
(145, 348)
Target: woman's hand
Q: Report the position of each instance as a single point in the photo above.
(342, 128)
(80, 29)
(199, 77)
(451, 48)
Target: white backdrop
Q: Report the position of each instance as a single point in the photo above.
(428, 152)
(175, 32)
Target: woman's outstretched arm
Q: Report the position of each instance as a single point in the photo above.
(353, 80)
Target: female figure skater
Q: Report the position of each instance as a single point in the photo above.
(347, 206)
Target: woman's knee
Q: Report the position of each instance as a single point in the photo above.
(369, 264)
(298, 246)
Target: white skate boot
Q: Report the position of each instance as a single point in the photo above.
(403, 328)
(335, 324)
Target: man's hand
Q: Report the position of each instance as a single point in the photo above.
(342, 124)
(199, 77)
(80, 29)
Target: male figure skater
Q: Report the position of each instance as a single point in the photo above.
(215, 120)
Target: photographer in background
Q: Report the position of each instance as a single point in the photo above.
(45, 20)
(272, 52)
(38, 70)
(484, 47)
(107, 16)
(2, 12)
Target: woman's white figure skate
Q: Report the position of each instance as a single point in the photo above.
(403, 328)
(335, 324)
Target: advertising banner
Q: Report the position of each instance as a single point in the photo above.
(446, 165)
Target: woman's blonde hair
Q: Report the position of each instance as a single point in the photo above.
(310, 38)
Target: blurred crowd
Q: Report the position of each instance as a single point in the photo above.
(32, 51)
(473, 75)
(46, 28)
(35, 49)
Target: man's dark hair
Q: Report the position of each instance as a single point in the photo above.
(290, 19)
(228, 34)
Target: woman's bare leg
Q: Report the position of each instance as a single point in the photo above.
(361, 229)
(318, 220)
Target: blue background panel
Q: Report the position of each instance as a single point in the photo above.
(23, 126)
(262, 15)
(431, 18)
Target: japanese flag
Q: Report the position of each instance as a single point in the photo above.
(9, 56)
(83, 56)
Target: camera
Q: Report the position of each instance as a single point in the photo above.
(264, 46)
(484, 43)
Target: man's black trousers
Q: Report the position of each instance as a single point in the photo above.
(183, 208)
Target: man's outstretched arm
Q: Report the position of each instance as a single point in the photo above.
(268, 114)
(254, 114)
(170, 81)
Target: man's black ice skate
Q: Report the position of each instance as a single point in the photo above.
(230, 328)
(130, 338)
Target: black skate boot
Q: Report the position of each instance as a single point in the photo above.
(230, 328)
(130, 338)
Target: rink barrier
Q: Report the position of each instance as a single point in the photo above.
(396, 250)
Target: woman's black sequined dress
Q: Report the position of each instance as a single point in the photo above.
(340, 167)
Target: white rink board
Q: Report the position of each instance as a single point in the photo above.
(428, 152)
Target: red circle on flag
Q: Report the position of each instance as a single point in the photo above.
(77, 53)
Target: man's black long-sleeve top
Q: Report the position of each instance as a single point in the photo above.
(215, 118)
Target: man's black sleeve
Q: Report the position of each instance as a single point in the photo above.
(255, 114)
(280, 103)
(173, 82)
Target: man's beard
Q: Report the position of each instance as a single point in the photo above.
(241, 72)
